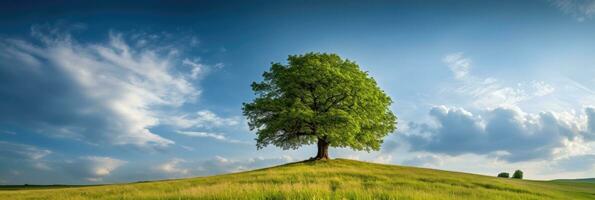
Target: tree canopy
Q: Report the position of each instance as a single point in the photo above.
(319, 98)
(518, 174)
(504, 175)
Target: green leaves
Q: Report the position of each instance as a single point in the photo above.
(319, 96)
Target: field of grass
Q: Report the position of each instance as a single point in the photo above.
(584, 180)
(333, 179)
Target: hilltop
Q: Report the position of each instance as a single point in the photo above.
(331, 179)
(582, 180)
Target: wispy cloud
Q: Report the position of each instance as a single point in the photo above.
(491, 92)
(216, 136)
(202, 119)
(180, 168)
(94, 168)
(86, 169)
(574, 163)
(23, 163)
(221, 164)
(580, 9)
(22, 151)
(8, 132)
(424, 160)
(109, 92)
(458, 64)
(173, 167)
(197, 67)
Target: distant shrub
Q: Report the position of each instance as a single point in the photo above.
(504, 175)
(518, 174)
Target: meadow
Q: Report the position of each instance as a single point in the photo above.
(330, 179)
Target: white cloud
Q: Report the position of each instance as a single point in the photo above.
(28, 164)
(220, 159)
(352, 157)
(573, 163)
(202, 119)
(22, 151)
(458, 64)
(221, 164)
(173, 167)
(194, 41)
(8, 132)
(31, 156)
(187, 148)
(90, 168)
(541, 88)
(128, 85)
(179, 168)
(490, 92)
(590, 111)
(383, 158)
(102, 166)
(504, 133)
(580, 9)
(424, 160)
(108, 92)
(197, 68)
(217, 136)
(219, 65)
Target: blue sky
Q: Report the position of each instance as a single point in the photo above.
(117, 92)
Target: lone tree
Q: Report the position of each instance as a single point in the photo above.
(319, 98)
(518, 174)
(504, 175)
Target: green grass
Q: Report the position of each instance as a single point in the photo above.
(334, 179)
(584, 180)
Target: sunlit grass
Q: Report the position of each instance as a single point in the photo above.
(334, 179)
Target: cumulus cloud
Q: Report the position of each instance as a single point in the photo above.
(580, 9)
(107, 92)
(504, 133)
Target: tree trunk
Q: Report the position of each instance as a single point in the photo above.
(322, 150)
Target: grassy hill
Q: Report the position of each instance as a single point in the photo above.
(334, 179)
(583, 180)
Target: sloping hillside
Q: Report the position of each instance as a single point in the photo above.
(334, 179)
(583, 180)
